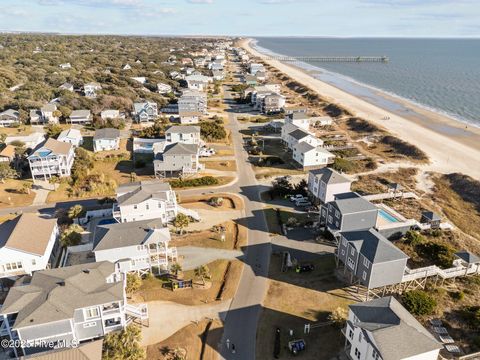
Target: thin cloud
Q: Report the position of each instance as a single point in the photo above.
(207, 2)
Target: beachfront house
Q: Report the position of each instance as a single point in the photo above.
(192, 101)
(111, 114)
(218, 75)
(189, 117)
(324, 184)
(198, 82)
(348, 212)
(250, 80)
(297, 135)
(67, 306)
(9, 117)
(382, 329)
(30, 141)
(106, 139)
(90, 89)
(145, 111)
(27, 244)
(139, 246)
(177, 160)
(311, 157)
(298, 119)
(145, 200)
(81, 117)
(183, 134)
(255, 67)
(71, 136)
(369, 259)
(46, 114)
(52, 158)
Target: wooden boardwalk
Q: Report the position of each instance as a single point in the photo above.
(357, 59)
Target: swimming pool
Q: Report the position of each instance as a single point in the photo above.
(388, 217)
(107, 221)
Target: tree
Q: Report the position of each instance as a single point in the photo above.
(71, 236)
(202, 272)
(134, 281)
(414, 238)
(75, 211)
(175, 268)
(419, 302)
(124, 344)
(6, 172)
(181, 221)
(53, 130)
(54, 180)
(26, 187)
(3, 137)
(338, 316)
(281, 187)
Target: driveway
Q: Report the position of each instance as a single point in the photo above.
(195, 256)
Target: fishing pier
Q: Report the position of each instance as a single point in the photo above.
(358, 59)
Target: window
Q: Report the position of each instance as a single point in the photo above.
(135, 207)
(350, 334)
(330, 219)
(343, 252)
(89, 324)
(350, 264)
(147, 207)
(352, 251)
(375, 355)
(159, 205)
(366, 263)
(357, 353)
(344, 242)
(364, 275)
(337, 214)
(34, 262)
(91, 313)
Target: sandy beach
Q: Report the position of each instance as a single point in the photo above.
(450, 146)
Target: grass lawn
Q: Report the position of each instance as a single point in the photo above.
(152, 289)
(188, 342)
(294, 300)
(11, 196)
(222, 165)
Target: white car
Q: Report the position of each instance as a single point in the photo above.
(206, 152)
(298, 197)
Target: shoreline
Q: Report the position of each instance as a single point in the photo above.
(450, 146)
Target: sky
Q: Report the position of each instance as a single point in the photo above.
(344, 18)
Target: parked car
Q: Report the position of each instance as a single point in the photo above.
(206, 152)
(295, 346)
(303, 203)
(297, 197)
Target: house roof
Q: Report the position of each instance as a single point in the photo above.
(113, 236)
(298, 134)
(135, 193)
(297, 116)
(66, 86)
(187, 129)
(468, 257)
(106, 133)
(70, 133)
(8, 151)
(352, 202)
(374, 246)
(91, 350)
(396, 333)
(330, 176)
(181, 149)
(49, 107)
(17, 234)
(430, 215)
(80, 113)
(11, 112)
(139, 107)
(55, 146)
(55, 294)
(304, 147)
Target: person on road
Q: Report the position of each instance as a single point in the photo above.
(233, 348)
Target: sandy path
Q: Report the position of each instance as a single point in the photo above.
(446, 152)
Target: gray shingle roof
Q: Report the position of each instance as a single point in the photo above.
(125, 234)
(330, 176)
(374, 246)
(55, 294)
(80, 113)
(187, 129)
(396, 333)
(298, 134)
(468, 257)
(431, 216)
(135, 193)
(181, 149)
(303, 147)
(352, 202)
(106, 133)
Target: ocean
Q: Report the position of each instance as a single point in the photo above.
(439, 74)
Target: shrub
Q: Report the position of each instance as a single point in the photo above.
(212, 131)
(292, 221)
(442, 255)
(414, 238)
(343, 165)
(418, 302)
(457, 295)
(338, 316)
(202, 181)
(215, 201)
(404, 148)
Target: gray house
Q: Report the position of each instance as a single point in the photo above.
(370, 259)
(178, 159)
(145, 111)
(382, 329)
(324, 184)
(348, 212)
(192, 101)
(67, 306)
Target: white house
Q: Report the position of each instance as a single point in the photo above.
(298, 135)
(310, 156)
(80, 117)
(53, 158)
(127, 67)
(177, 160)
(7, 154)
(65, 66)
(189, 117)
(218, 75)
(198, 82)
(325, 183)
(30, 141)
(66, 86)
(71, 136)
(111, 114)
(106, 139)
(145, 200)
(382, 329)
(254, 68)
(192, 101)
(46, 114)
(9, 117)
(90, 89)
(183, 134)
(26, 244)
(140, 79)
(299, 119)
(164, 88)
(145, 111)
(137, 246)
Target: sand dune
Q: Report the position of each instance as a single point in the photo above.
(450, 146)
